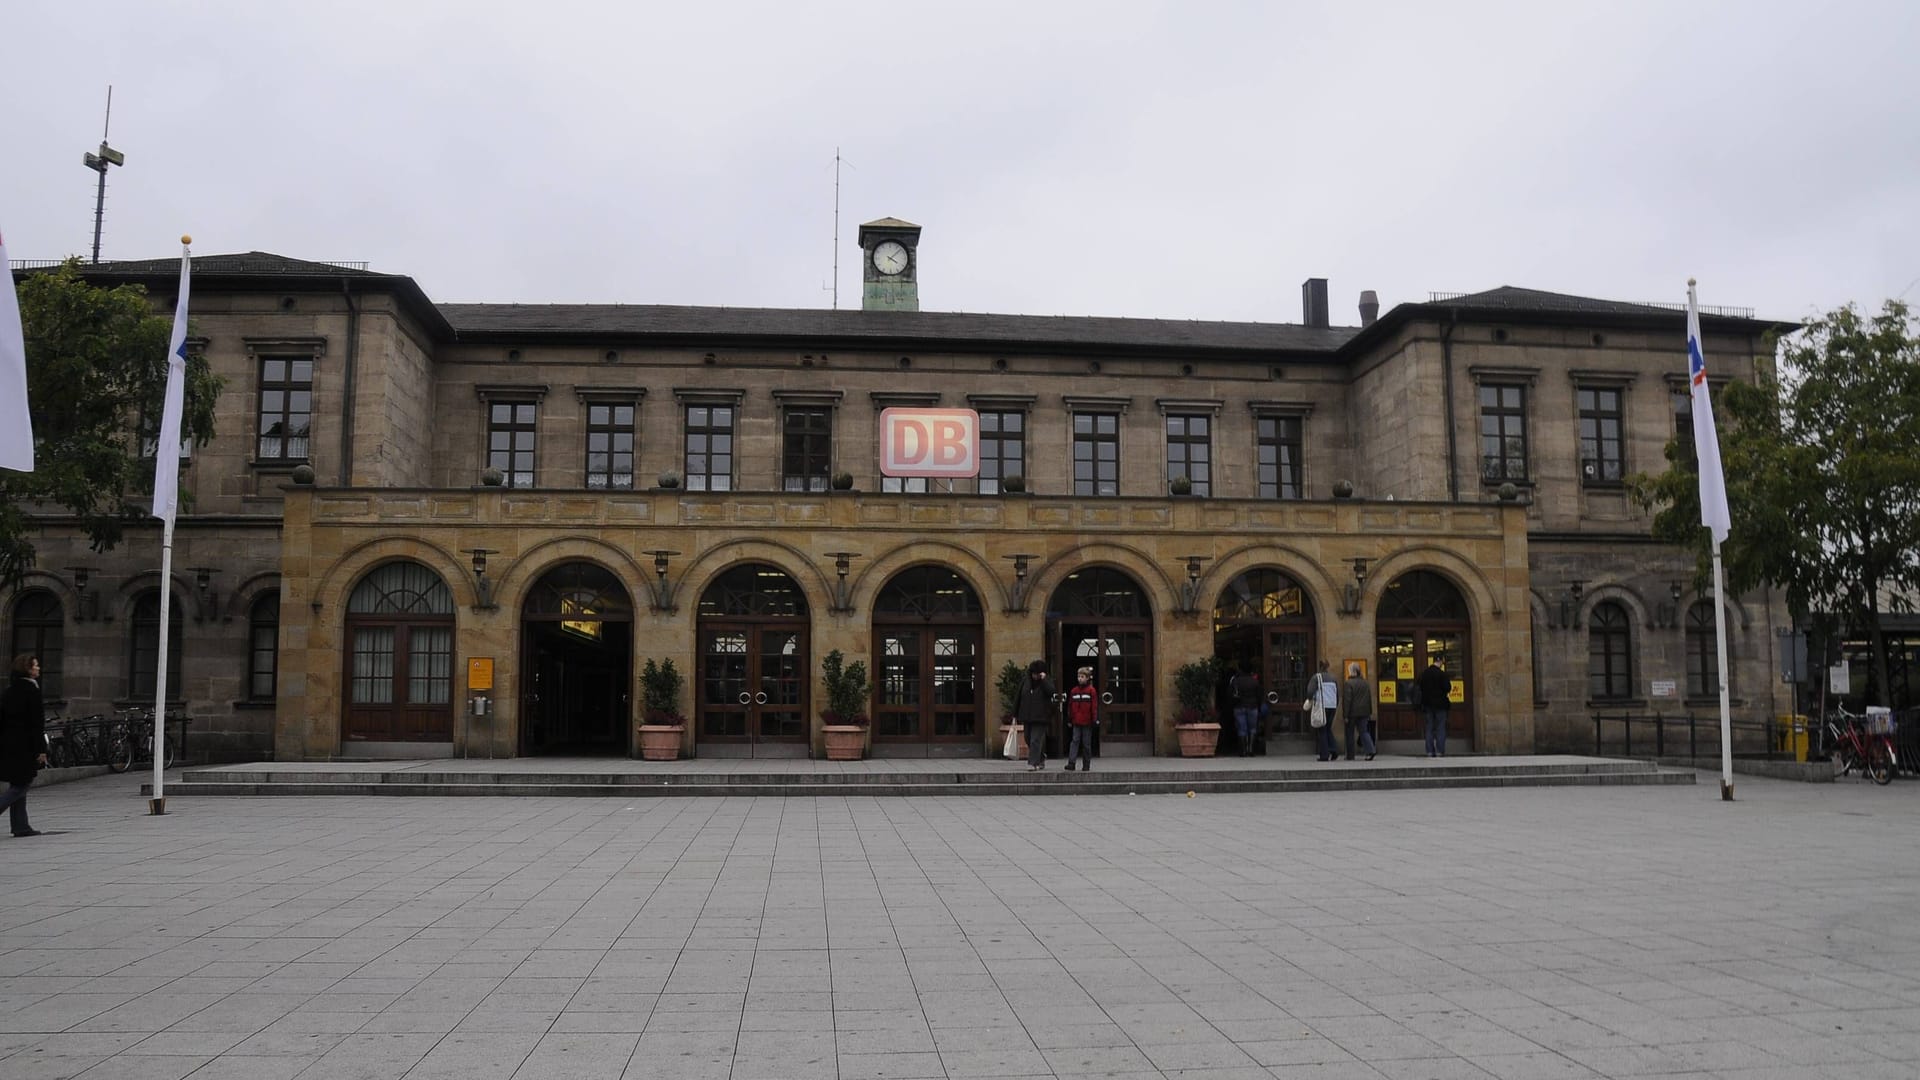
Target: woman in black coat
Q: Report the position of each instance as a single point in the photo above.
(23, 739)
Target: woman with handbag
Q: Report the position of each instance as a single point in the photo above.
(1323, 700)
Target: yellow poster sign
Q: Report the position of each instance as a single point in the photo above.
(480, 673)
(1389, 692)
(1403, 667)
(1457, 691)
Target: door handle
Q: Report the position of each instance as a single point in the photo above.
(1106, 698)
(746, 698)
(760, 698)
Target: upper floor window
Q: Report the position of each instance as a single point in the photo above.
(610, 445)
(1602, 447)
(1190, 450)
(709, 459)
(1096, 453)
(1277, 443)
(263, 645)
(1609, 653)
(1003, 447)
(1503, 432)
(510, 440)
(806, 447)
(286, 407)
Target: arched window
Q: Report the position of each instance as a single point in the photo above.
(39, 627)
(143, 662)
(755, 590)
(400, 659)
(1609, 653)
(263, 645)
(1100, 592)
(1703, 652)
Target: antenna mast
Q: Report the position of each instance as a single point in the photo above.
(836, 228)
(98, 163)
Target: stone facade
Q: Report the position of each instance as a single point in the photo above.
(1393, 408)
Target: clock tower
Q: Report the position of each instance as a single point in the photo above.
(890, 265)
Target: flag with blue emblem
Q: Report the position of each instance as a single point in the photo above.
(166, 448)
(1706, 441)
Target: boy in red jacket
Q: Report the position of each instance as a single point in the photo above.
(1083, 712)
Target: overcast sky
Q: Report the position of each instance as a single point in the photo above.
(1179, 160)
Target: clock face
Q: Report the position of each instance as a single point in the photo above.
(890, 257)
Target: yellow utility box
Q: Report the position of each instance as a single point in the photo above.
(1790, 736)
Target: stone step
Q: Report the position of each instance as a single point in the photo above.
(1020, 782)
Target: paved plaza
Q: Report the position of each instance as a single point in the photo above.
(1517, 932)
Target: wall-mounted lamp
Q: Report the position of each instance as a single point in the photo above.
(89, 603)
(662, 588)
(1570, 603)
(1020, 581)
(1350, 594)
(1669, 614)
(483, 589)
(203, 593)
(1190, 592)
(842, 565)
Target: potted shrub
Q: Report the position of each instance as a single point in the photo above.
(669, 479)
(1193, 685)
(844, 720)
(841, 481)
(661, 725)
(1180, 485)
(1007, 685)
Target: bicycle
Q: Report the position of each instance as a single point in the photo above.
(1856, 745)
(133, 742)
(74, 742)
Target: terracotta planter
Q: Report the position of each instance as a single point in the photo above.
(660, 742)
(1198, 740)
(845, 742)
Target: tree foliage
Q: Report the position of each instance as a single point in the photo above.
(96, 369)
(1823, 473)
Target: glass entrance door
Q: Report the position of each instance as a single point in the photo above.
(927, 685)
(752, 683)
(1401, 655)
(1120, 655)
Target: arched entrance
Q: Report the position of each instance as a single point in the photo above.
(1422, 618)
(1263, 621)
(400, 669)
(1101, 618)
(576, 659)
(751, 690)
(927, 634)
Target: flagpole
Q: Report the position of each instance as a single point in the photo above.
(1713, 516)
(166, 499)
(1726, 711)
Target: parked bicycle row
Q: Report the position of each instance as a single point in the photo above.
(119, 741)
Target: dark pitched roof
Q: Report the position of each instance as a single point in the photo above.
(1511, 298)
(251, 262)
(942, 328)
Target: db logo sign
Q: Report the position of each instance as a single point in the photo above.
(929, 442)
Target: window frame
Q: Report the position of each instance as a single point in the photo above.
(709, 478)
(141, 621)
(1499, 467)
(260, 622)
(613, 430)
(1703, 651)
(287, 387)
(806, 455)
(1611, 644)
(513, 397)
(1600, 431)
(1182, 462)
(1272, 420)
(993, 444)
(1091, 441)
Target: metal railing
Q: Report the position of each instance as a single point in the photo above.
(1691, 735)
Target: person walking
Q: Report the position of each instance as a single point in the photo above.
(1436, 693)
(1083, 714)
(1324, 691)
(23, 740)
(1246, 708)
(1358, 711)
(1035, 712)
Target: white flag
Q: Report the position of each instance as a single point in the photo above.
(1706, 440)
(16, 422)
(166, 451)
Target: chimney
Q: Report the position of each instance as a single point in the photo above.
(1313, 302)
(1369, 307)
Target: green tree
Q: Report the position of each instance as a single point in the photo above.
(1823, 477)
(96, 370)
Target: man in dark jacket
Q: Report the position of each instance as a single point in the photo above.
(1035, 712)
(23, 739)
(1246, 708)
(1436, 690)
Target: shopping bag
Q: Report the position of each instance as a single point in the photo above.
(1011, 748)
